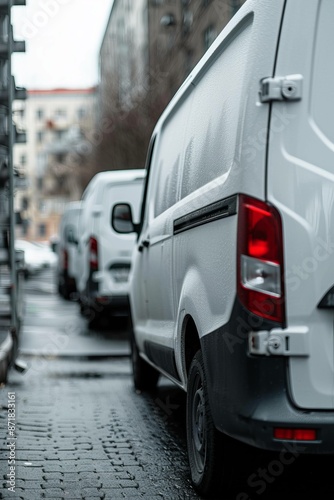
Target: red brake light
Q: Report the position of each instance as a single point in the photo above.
(93, 254)
(261, 242)
(260, 259)
(295, 434)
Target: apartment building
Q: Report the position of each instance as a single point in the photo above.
(58, 123)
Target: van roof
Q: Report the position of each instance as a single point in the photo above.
(120, 175)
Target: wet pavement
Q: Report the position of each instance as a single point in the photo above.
(80, 430)
(72, 427)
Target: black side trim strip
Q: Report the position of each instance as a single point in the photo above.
(214, 211)
(162, 356)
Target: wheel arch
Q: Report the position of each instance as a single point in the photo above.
(190, 343)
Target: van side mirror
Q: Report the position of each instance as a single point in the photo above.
(121, 219)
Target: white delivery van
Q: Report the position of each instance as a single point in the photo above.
(103, 255)
(67, 250)
(232, 281)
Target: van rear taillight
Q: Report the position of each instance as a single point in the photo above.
(93, 254)
(260, 259)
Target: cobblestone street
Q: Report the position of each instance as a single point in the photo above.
(79, 430)
(83, 433)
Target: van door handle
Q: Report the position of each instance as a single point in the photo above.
(144, 244)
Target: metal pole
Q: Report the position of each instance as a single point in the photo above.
(11, 177)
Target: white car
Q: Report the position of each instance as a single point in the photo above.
(34, 257)
(49, 258)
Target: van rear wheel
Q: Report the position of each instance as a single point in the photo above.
(212, 455)
(145, 377)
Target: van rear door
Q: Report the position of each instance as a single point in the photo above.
(300, 184)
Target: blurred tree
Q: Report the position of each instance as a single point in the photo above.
(178, 33)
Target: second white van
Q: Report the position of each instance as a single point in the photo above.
(104, 256)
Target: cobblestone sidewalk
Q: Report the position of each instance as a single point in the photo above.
(82, 433)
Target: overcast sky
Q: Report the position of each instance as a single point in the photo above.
(63, 39)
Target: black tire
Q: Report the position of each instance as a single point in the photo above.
(93, 319)
(4, 367)
(82, 307)
(212, 455)
(66, 293)
(145, 377)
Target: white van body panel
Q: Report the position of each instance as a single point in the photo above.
(216, 126)
(103, 192)
(301, 186)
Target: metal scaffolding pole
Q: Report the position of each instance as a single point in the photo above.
(10, 276)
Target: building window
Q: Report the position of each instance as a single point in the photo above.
(41, 230)
(25, 203)
(60, 113)
(40, 114)
(25, 227)
(209, 36)
(60, 158)
(60, 134)
(40, 183)
(81, 113)
(23, 160)
(40, 136)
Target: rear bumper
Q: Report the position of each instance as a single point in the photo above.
(113, 305)
(249, 395)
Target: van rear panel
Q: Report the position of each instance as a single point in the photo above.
(301, 186)
(115, 249)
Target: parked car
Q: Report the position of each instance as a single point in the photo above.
(34, 257)
(49, 258)
(232, 278)
(67, 246)
(103, 255)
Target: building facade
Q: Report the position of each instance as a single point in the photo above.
(58, 123)
(154, 44)
(123, 59)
